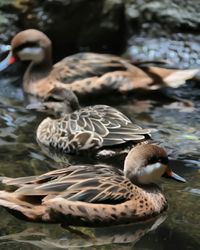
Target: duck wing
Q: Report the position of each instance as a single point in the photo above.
(93, 184)
(86, 65)
(101, 125)
(112, 189)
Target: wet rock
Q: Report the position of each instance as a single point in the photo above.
(169, 14)
(9, 16)
(72, 25)
(167, 29)
(182, 50)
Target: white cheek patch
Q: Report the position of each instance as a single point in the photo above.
(151, 173)
(35, 54)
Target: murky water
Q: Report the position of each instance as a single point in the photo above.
(178, 131)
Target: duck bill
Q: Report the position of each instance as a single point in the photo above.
(10, 59)
(38, 106)
(170, 174)
(4, 48)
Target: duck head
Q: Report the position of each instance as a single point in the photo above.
(28, 45)
(146, 163)
(57, 102)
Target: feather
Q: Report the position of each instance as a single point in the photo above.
(90, 127)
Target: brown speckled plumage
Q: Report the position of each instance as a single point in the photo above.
(86, 73)
(89, 195)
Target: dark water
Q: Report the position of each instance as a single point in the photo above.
(178, 131)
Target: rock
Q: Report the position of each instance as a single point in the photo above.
(167, 29)
(153, 29)
(72, 25)
(170, 14)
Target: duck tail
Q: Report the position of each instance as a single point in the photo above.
(20, 181)
(171, 77)
(9, 201)
(22, 209)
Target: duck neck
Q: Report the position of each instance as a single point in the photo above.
(130, 166)
(38, 70)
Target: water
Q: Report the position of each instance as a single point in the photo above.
(178, 132)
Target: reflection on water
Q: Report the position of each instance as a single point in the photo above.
(55, 237)
(178, 132)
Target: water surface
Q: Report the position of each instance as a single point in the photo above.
(178, 132)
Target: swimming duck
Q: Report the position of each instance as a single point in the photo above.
(93, 195)
(91, 127)
(83, 73)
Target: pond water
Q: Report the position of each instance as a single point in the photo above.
(178, 131)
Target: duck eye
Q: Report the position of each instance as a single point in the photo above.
(26, 45)
(51, 99)
(152, 160)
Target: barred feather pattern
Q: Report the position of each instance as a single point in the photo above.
(91, 127)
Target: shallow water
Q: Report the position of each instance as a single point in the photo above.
(178, 131)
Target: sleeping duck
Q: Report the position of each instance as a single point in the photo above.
(79, 129)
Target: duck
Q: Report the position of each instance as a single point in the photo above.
(81, 129)
(93, 195)
(84, 73)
